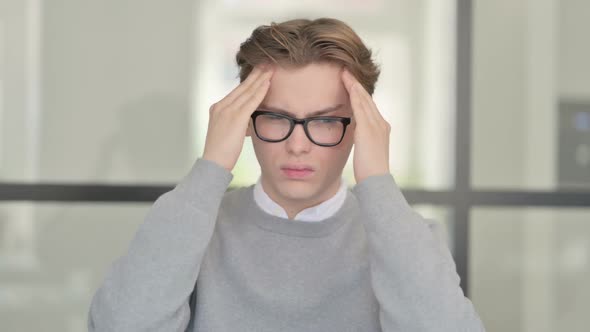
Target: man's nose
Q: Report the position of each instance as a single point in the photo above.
(298, 142)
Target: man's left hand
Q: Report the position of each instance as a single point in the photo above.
(371, 133)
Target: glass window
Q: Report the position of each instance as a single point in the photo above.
(107, 93)
(95, 92)
(54, 256)
(531, 95)
(412, 40)
(529, 268)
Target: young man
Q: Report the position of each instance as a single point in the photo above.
(297, 251)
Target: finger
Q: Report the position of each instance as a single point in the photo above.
(237, 91)
(356, 101)
(348, 80)
(374, 112)
(240, 103)
(371, 110)
(358, 107)
(257, 97)
(247, 83)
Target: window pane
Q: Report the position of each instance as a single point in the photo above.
(107, 93)
(412, 40)
(95, 91)
(529, 268)
(54, 256)
(531, 95)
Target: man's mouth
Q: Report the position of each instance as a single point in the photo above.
(297, 171)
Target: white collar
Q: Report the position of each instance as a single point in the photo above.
(319, 212)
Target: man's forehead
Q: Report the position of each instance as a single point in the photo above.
(320, 81)
(337, 108)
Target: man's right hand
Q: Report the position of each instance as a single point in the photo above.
(229, 118)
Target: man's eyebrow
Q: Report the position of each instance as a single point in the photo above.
(314, 113)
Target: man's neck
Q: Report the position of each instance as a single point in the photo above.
(293, 207)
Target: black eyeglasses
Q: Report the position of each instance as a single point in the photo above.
(321, 130)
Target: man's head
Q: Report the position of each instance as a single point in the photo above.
(308, 58)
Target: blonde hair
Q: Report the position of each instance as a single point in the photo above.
(300, 42)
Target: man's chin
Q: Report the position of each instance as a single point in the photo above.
(297, 191)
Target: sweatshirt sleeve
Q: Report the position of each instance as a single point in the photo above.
(413, 274)
(148, 288)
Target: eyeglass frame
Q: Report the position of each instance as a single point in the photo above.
(295, 121)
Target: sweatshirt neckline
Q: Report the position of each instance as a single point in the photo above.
(287, 226)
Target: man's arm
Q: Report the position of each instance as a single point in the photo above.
(148, 289)
(413, 274)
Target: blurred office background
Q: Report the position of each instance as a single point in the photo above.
(103, 107)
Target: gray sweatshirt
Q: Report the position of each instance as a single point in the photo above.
(209, 260)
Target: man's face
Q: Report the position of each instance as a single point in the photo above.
(300, 92)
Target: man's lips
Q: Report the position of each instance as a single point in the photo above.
(297, 171)
(297, 167)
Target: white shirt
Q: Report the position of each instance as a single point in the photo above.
(316, 213)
